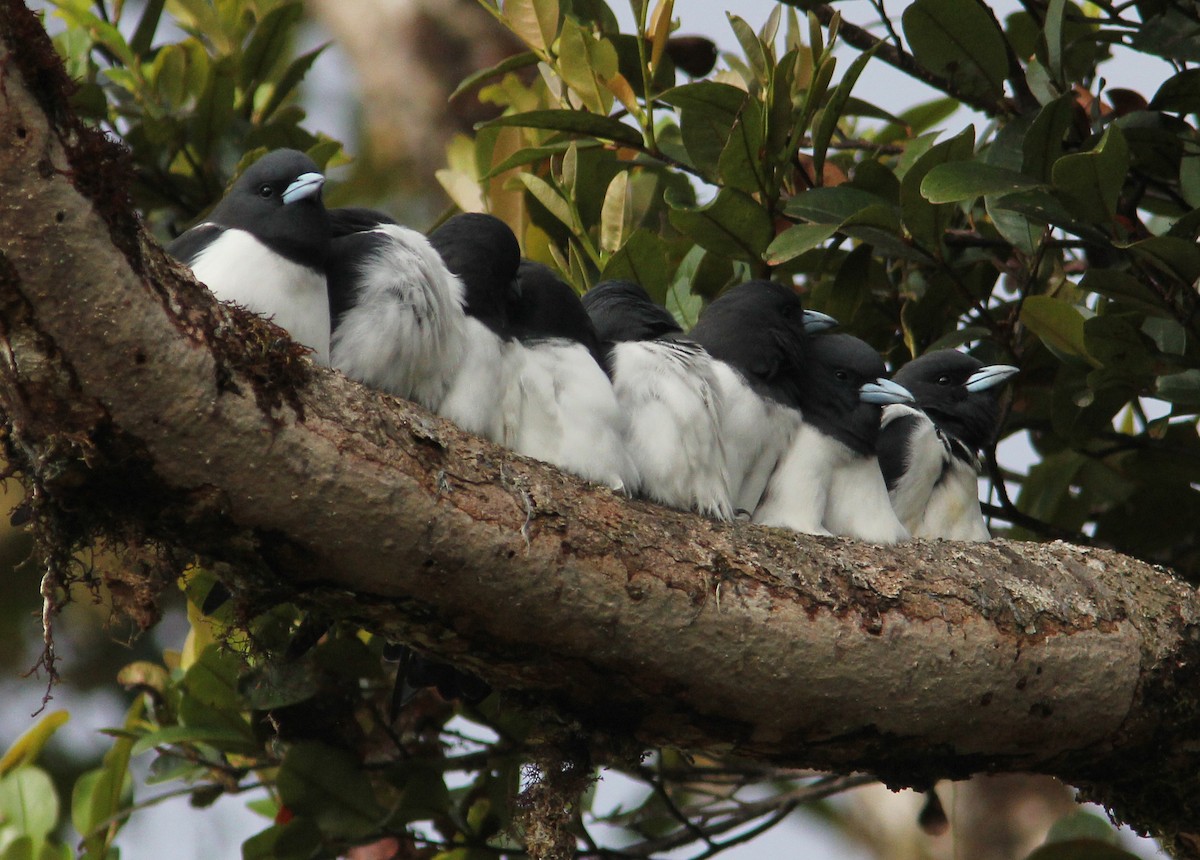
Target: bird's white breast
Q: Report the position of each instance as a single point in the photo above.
(479, 398)
(239, 268)
(672, 402)
(406, 332)
(569, 414)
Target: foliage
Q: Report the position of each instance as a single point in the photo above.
(1058, 235)
(195, 110)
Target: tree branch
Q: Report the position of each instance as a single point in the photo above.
(139, 408)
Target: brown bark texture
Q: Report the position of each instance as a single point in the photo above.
(139, 408)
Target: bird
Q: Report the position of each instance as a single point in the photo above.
(667, 388)
(397, 312)
(482, 252)
(263, 246)
(928, 450)
(756, 332)
(568, 414)
(829, 481)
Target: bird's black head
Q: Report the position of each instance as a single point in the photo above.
(622, 310)
(833, 398)
(758, 328)
(547, 306)
(959, 393)
(278, 200)
(483, 252)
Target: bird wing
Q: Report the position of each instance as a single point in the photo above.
(190, 243)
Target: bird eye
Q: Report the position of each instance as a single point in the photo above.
(265, 190)
(943, 380)
(842, 375)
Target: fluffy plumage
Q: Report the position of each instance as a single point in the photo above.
(568, 412)
(398, 319)
(755, 332)
(668, 391)
(264, 246)
(829, 481)
(483, 253)
(929, 451)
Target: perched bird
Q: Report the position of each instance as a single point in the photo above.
(929, 450)
(483, 253)
(264, 246)
(568, 412)
(829, 481)
(668, 390)
(397, 311)
(756, 333)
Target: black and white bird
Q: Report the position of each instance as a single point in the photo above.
(829, 481)
(929, 450)
(482, 252)
(568, 411)
(397, 311)
(756, 332)
(264, 246)
(667, 388)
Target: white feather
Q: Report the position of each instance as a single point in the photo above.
(568, 414)
(822, 486)
(406, 332)
(757, 433)
(937, 496)
(239, 268)
(671, 399)
(481, 398)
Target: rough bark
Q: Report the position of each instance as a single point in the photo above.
(140, 407)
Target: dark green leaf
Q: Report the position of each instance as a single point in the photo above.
(1081, 849)
(797, 239)
(926, 221)
(1122, 287)
(271, 38)
(751, 46)
(831, 205)
(508, 64)
(733, 224)
(708, 112)
(1177, 258)
(1180, 93)
(959, 41)
(330, 786)
(289, 80)
(1043, 144)
(965, 180)
(228, 740)
(740, 162)
(571, 122)
(831, 113)
(143, 36)
(214, 111)
(1092, 180)
(532, 154)
(1058, 324)
(712, 274)
(643, 260)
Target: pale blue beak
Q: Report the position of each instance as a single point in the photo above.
(882, 392)
(303, 186)
(990, 376)
(815, 321)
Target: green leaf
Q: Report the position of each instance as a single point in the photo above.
(1081, 824)
(1092, 180)
(643, 260)
(959, 41)
(708, 112)
(1055, 13)
(523, 60)
(1179, 93)
(1081, 849)
(831, 113)
(330, 786)
(1043, 144)
(26, 748)
(143, 36)
(1059, 325)
(29, 804)
(966, 180)
(1173, 257)
(289, 80)
(616, 213)
(797, 239)
(740, 162)
(585, 62)
(214, 112)
(831, 205)
(733, 224)
(571, 122)
(751, 46)
(927, 221)
(1180, 388)
(533, 21)
(548, 196)
(226, 740)
(271, 38)
(1122, 287)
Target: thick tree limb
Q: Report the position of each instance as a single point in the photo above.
(141, 407)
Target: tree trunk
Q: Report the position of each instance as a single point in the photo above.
(139, 408)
